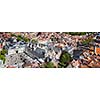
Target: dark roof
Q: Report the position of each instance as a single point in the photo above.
(97, 41)
(39, 53)
(76, 54)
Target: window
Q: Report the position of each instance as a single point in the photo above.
(17, 51)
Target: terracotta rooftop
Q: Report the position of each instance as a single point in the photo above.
(84, 66)
(10, 67)
(97, 50)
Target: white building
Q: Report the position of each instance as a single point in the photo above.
(1, 64)
(17, 49)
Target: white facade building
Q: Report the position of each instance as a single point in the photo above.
(20, 49)
(1, 64)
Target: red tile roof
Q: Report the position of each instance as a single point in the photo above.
(97, 50)
(11, 67)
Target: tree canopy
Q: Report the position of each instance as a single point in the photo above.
(87, 41)
(3, 52)
(34, 40)
(49, 65)
(2, 57)
(19, 38)
(78, 33)
(65, 59)
(26, 39)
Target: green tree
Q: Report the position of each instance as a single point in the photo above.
(26, 39)
(65, 59)
(34, 41)
(19, 38)
(76, 33)
(3, 52)
(87, 41)
(49, 65)
(2, 57)
(13, 35)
